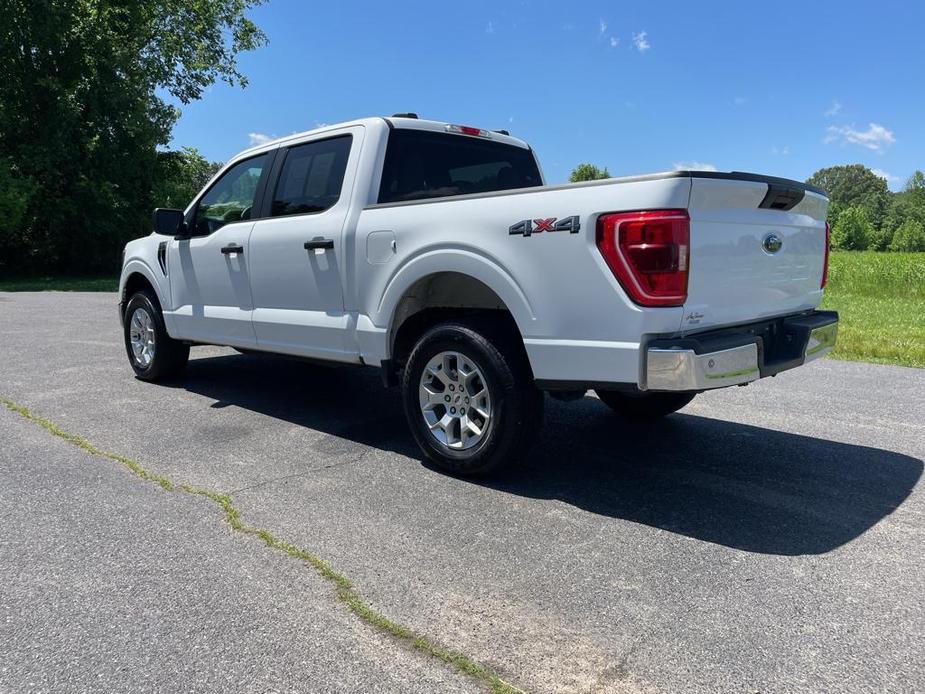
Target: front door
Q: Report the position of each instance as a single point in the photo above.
(209, 271)
(297, 251)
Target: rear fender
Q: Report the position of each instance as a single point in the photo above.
(462, 261)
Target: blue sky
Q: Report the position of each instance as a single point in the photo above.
(782, 88)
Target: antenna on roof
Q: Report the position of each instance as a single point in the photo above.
(501, 132)
(405, 115)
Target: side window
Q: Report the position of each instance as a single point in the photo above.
(312, 177)
(231, 198)
(421, 164)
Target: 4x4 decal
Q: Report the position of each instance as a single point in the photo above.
(528, 227)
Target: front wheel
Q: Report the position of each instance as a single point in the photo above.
(469, 398)
(642, 405)
(153, 354)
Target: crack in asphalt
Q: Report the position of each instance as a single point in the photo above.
(344, 589)
(304, 473)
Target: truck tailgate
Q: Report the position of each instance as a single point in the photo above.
(757, 250)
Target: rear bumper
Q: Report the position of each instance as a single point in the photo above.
(738, 355)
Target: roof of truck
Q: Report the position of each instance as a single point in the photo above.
(441, 127)
(399, 121)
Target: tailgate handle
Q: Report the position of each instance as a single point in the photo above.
(781, 197)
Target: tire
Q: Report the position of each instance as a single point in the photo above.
(164, 358)
(639, 405)
(490, 362)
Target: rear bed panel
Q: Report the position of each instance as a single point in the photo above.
(735, 275)
(577, 322)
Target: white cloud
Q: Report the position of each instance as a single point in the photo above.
(490, 29)
(641, 42)
(781, 151)
(876, 138)
(693, 166)
(511, 119)
(888, 177)
(258, 139)
(603, 27)
(833, 110)
(614, 42)
(739, 101)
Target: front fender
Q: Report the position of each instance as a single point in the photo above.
(139, 266)
(136, 265)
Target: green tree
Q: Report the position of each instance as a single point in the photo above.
(852, 230)
(903, 206)
(14, 196)
(909, 237)
(915, 193)
(588, 172)
(181, 174)
(853, 186)
(916, 185)
(84, 90)
(880, 239)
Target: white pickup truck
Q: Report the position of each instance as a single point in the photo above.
(436, 253)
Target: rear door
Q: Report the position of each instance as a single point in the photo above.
(297, 252)
(757, 250)
(209, 271)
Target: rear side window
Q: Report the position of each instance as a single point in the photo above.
(421, 164)
(312, 177)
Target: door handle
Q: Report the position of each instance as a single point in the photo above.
(232, 248)
(323, 244)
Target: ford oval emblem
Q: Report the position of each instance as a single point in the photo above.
(772, 243)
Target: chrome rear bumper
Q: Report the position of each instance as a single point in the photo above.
(733, 357)
(821, 341)
(683, 369)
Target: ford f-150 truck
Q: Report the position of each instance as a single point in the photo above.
(435, 252)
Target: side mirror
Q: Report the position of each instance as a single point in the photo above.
(168, 222)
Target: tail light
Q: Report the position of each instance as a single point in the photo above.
(648, 252)
(825, 263)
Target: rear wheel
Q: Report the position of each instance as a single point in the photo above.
(641, 405)
(153, 354)
(469, 398)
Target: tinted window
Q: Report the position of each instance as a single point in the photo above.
(231, 198)
(312, 177)
(421, 164)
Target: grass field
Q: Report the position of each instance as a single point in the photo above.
(60, 284)
(879, 296)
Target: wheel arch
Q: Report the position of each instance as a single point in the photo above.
(137, 275)
(452, 261)
(446, 295)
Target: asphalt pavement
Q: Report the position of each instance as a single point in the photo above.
(765, 539)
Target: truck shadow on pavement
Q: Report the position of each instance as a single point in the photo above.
(750, 488)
